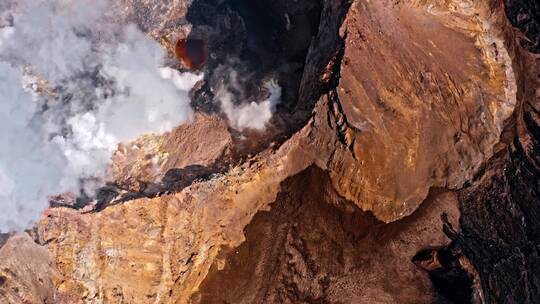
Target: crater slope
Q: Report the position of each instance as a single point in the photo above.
(407, 148)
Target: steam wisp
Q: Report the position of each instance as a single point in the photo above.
(74, 84)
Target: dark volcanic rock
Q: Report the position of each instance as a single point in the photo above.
(3, 238)
(257, 39)
(501, 230)
(525, 15)
(500, 210)
(452, 282)
(501, 223)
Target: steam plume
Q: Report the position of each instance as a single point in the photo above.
(100, 84)
(252, 115)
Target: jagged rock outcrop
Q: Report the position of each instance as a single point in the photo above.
(313, 246)
(424, 91)
(501, 207)
(204, 142)
(401, 118)
(26, 272)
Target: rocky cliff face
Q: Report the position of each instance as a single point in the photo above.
(402, 166)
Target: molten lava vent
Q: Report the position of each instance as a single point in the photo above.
(191, 52)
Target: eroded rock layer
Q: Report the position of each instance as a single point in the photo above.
(315, 247)
(423, 95)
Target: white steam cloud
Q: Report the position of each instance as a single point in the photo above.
(252, 115)
(100, 84)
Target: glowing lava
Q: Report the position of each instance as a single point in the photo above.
(191, 52)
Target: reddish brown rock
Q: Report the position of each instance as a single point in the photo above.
(407, 119)
(399, 101)
(424, 91)
(204, 142)
(27, 273)
(314, 246)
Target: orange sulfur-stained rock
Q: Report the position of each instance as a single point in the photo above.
(424, 92)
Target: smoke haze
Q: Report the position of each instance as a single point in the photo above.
(99, 84)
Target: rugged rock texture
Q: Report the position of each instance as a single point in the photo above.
(526, 16)
(501, 207)
(160, 249)
(402, 167)
(424, 91)
(315, 247)
(204, 142)
(26, 274)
